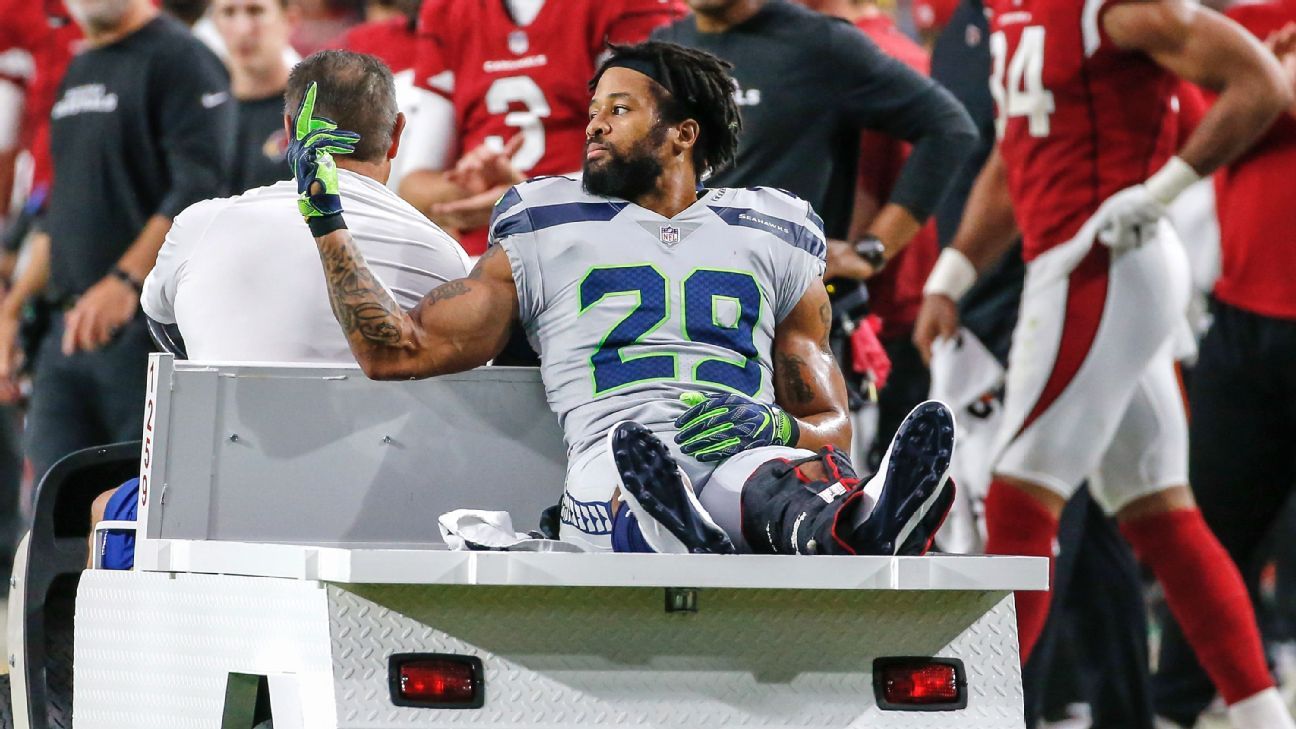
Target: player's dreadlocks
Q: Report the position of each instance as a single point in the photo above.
(697, 86)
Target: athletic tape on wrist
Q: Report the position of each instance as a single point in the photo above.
(322, 226)
(952, 275)
(1173, 178)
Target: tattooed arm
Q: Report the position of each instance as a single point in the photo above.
(457, 326)
(807, 382)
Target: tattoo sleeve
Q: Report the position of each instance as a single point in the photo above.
(792, 380)
(458, 325)
(807, 381)
(360, 303)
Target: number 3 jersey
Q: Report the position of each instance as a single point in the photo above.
(1078, 117)
(629, 309)
(506, 78)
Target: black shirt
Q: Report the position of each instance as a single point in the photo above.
(808, 83)
(142, 127)
(961, 62)
(260, 146)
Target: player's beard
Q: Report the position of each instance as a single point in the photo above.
(627, 176)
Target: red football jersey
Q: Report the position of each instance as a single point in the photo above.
(1078, 118)
(46, 31)
(1254, 199)
(506, 79)
(393, 40)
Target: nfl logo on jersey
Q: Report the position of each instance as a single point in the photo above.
(669, 234)
(518, 42)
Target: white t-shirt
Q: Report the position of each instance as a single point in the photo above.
(242, 278)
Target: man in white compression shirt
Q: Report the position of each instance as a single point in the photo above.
(239, 275)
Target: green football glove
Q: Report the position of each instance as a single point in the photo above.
(310, 153)
(719, 426)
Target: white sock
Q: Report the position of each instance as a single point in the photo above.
(1264, 710)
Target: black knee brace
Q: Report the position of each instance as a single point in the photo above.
(787, 511)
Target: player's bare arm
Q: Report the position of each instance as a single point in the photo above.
(457, 326)
(986, 232)
(1208, 49)
(808, 383)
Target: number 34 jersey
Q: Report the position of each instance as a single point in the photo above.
(629, 309)
(1078, 117)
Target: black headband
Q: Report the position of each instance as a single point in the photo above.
(642, 65)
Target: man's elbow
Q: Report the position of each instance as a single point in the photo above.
(962, 124)
(1266, 89)
(381, 373)
(844, 433)
(949, 142)
(963, 137)
(949, 121)
(386, 369)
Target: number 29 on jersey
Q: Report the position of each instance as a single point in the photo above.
(703, 292)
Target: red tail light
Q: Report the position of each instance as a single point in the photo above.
(436, 681)
(919, 684)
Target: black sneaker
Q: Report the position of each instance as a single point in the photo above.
(920, 540)
(660, 496)
(914, 496)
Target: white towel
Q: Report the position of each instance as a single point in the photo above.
(476, 530)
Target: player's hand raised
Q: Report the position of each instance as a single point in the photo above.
(310, 153)
(938, 317)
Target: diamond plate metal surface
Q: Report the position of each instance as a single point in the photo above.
(153, 650)
(564, 657)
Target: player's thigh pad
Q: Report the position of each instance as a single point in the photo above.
(1085, 337)
(1149, 452)
(722, 496)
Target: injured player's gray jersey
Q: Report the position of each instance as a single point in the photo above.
(629, 309)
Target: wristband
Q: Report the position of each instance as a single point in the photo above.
(121, 275)
(322, 225)
(952, 275)
(786, 428)
(1173, 178)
